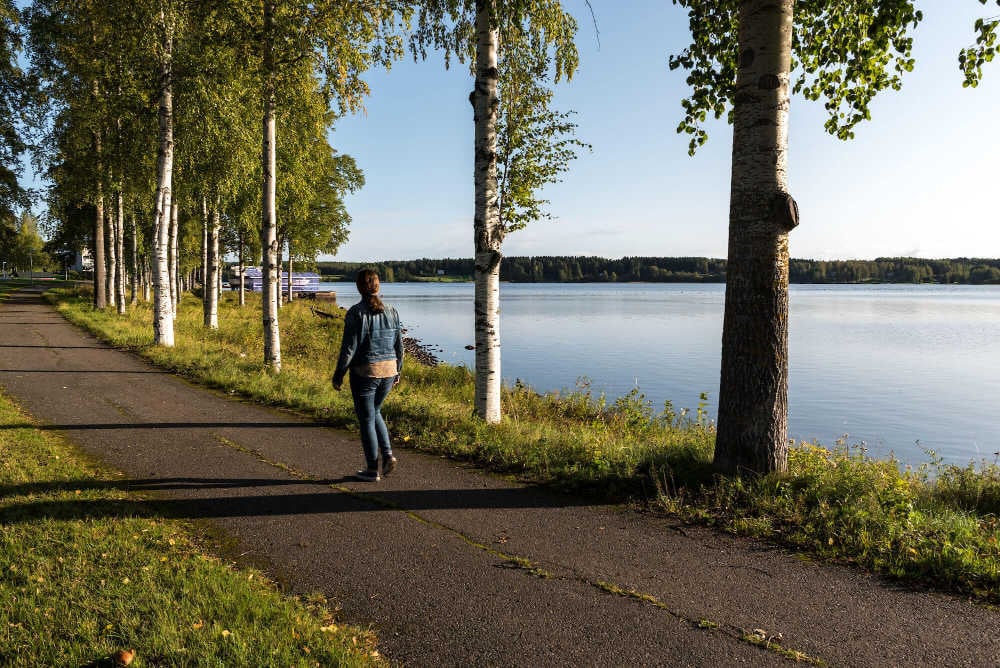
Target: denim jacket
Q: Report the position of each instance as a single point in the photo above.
(369, 337)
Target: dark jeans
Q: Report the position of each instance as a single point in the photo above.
(368, 394)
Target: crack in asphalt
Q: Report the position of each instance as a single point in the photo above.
(759, 638)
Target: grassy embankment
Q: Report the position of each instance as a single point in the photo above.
(936, 524)
(87, 569)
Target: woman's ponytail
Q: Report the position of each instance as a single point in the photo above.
(368, 285)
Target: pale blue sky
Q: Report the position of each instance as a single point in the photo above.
(919, 179)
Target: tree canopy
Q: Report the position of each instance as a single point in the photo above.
(16, 95)
(843, 53)
(986, 48)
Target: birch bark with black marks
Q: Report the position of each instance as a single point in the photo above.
(134, 277)
(163, 320)
(488, 234)
(210, 284)
(269, 226)
(100, 268)
(110, 250)
(242, 267)
(175, 277)
(753, 396)
(282, 288)
(205, 307)
(204, 243)
(120, 274)
(147, 275)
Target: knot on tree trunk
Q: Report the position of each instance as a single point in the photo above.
(768, 82)
(785, 211)
(487, 262)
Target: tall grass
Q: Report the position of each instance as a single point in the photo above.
(924, 525)
(936, 524)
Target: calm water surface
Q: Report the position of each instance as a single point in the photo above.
(900, 368)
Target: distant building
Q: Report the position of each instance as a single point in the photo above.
(84, 260)
(253, 280)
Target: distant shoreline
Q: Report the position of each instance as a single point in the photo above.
(576, 269)
(346, 279)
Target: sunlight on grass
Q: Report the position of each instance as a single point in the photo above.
(83, 576)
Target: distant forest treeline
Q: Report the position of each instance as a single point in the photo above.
(568, 269)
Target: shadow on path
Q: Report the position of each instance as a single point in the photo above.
(94, 347)
(166, 425)
(48, 323)
(89, 372)
(19, 310)
(258, 505)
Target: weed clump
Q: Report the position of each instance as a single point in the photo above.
(925, 525)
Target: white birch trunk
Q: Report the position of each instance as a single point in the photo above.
(242, 266)
(147, 274)
(204, 239)
(163, 322)
(175, 274)
(269, 224)
(100, 266)
(211, 283)
(282, 288)
(120, 273)
(753, 394)
(135, 278)
(110, 254)
(488, 233)
(291, 289)
(163, 315)
(204, 262)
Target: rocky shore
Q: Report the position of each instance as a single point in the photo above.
(415, 350)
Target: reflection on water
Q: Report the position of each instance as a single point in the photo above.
(901, 368)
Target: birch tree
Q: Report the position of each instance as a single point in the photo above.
(482, 30)
(740, 63)
(487, 233)
(313, 180)
(216, 140)
(339, 40)
(270, 283)
(66, 39)
(135, 277)
(13, 98)
(312, 177)
(26, 251)
(90, 58)
(163, 220)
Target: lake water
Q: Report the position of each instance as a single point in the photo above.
(900, 368)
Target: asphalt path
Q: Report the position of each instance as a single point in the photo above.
(449, 565)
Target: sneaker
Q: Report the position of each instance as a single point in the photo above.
(388, 465)
(367, 475)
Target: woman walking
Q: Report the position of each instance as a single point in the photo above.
(372, 350)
